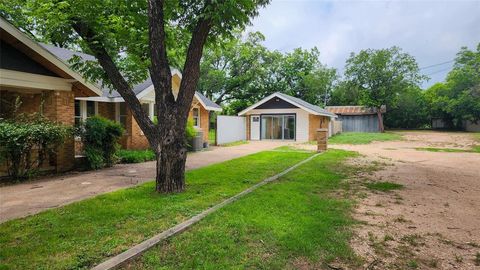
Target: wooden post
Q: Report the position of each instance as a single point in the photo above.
(322, 136)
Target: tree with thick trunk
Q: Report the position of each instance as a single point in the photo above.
(380, 120)
(381, 76)
(124, 37)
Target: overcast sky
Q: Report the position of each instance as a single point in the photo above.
(431, 31)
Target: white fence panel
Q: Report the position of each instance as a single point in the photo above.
(231, 129)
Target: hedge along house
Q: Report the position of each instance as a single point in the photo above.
(42, 83)
(357, 118)
(112, 106)
(283, 117)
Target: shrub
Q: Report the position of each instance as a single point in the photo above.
(135, 156)
(100, 140)
(28, 143)
(190, 131)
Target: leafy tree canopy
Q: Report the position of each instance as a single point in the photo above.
(242, 71)
(133, 38)
(381, 75)
(458, 98)
(123, 27)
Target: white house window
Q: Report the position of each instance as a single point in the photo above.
(78, 113)
(196, 117)
(84, 109)
(122, 114)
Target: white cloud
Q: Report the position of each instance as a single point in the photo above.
(432, 31)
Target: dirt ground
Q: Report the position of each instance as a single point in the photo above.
(431, 223)
(25, 199)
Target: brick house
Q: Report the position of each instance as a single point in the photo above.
(112, 106)
(42, 83)
(39, 75)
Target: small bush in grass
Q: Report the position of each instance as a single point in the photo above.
(135, 156)
(100, 138)
(384, 186)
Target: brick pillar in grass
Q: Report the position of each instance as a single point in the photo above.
(322, 137)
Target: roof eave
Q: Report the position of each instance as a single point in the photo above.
(37, 48)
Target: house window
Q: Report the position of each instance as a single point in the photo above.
(78, 113)
(196, 117)
(149, 108)
(84, 109)
(91, 110)
(122, 114)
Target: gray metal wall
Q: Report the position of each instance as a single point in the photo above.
(231, 129)
(359, 123)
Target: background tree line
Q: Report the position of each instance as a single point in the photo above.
(241, 71)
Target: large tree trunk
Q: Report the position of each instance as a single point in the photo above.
(380, 120)
(171, 167)
(167, 138)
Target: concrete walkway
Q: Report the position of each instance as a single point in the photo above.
(29, 198)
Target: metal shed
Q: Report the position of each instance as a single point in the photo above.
(357, 118)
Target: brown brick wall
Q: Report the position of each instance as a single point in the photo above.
(107, 110)
(137, 139)
(316, 122)
(134, 137)
(29, 103)
(204, 121)
(57, 106)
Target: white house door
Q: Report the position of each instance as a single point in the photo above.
(255, 127)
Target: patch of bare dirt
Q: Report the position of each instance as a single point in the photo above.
(434, 221)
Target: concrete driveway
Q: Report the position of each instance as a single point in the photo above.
(29, 198)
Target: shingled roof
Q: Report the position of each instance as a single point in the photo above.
(65, 55)
(313, 109)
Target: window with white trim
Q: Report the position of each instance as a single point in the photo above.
(84, 109)
(78, 113)
(196, 117)
(122, 114)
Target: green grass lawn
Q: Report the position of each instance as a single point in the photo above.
(476, 148)
(135, 156)
(363, 138)
(292, 223)
(82, 234)
(233, 143)
(211, 136)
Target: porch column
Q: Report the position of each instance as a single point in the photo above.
(59, 106)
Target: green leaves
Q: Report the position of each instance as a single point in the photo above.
(100, 139)
(240, 71)
(27, 143)
(458, 99)
(122, 25)
(381, 75)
